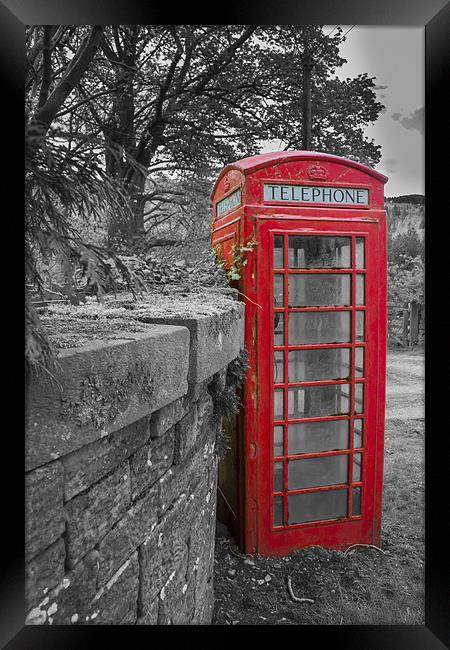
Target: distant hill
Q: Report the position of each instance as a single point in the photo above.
(404, 213)
(407, 198)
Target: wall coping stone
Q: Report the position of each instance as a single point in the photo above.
(216, 339)
(103, 386)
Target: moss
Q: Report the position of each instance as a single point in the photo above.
(102, 398)
(224, 322)
(226, 399)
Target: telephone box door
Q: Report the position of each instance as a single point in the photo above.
(319, 340)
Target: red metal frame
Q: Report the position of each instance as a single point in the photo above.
(253, 524)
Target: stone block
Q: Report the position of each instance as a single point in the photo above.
(102, 387)
(186, 435)
(184, 477)
(198, 420)
(69, 601)
(127, 534)
(162, 552)
(203, 612)
(205, 406)
(180, 479)
(215, 339)
(150, 462)
(92, 514)
(195, 390)
(165, 418)
(44, 508)
(151, 616)
(89, 464)
(201, 544)
(116, 602)
(43, 573)
(176, 598)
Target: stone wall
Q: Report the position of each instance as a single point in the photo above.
(121, 476)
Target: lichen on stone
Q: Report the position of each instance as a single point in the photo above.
(224, 321)
(102, 398)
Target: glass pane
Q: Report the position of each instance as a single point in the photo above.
(278, 291)
(317, 365)
(278, 477)
(315, 472)
(359, 398)
(278, 441)
(360, 280)
(278, 253)
(278, 326)
(357, 468)
(319, 290)
(315, 506)
(278, 404)
(319, 327)
(360, 257)
(359, 362)
(316, 401)
(358, 433)
(360, 326)
(356, 502)
(278, 364)
(306, 252)
(344, 396)
(278, 511)
(312, 437)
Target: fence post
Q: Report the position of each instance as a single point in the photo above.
(413, 322)
(405, 325)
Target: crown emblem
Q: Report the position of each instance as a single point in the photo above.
(316, 171)
(226, 184)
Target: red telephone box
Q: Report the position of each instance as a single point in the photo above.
(306, 460)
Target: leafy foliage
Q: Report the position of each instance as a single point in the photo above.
(406, 280)
(238, 259)
(406, 253)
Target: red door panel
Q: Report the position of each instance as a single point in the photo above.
(317, 384)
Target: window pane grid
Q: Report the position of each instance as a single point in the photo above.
(306, 384)
(356, 271)
(345, 271)
(286, 368)
(335, 452)
(321, 488)
(319, 309)
(319, 346)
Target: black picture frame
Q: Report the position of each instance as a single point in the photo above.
(434, 16)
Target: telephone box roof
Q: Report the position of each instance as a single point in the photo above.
(252, 164)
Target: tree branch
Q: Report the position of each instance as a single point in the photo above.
(78, 66)
(47, 65)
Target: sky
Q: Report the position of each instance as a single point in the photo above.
(395, 56)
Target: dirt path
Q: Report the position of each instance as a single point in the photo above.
(366, 586)
(405, 384)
